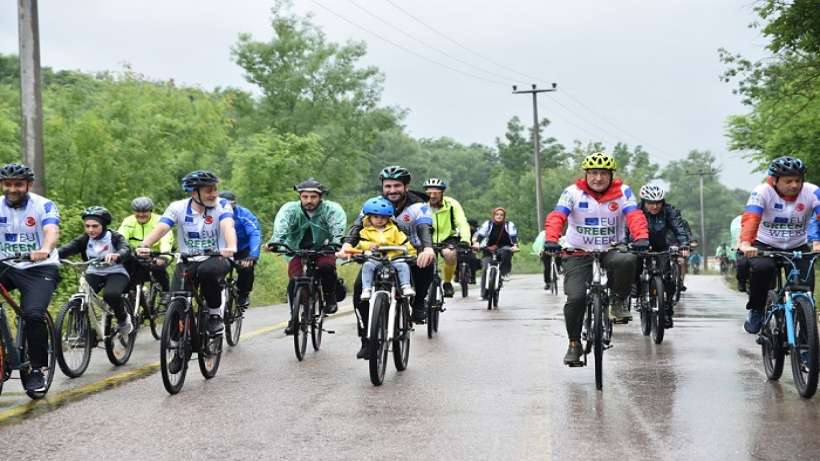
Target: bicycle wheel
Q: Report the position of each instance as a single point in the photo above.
(174, 345)
(676, 279)
(401, 336)
(432, 306)
(804, 353)
(155, 311)
(490, 291)
(2, 361)
(316, 325)
(73, 345)
(119, 348)
(657, 308)
(48, 370)
(210, 350)
(598, 339)
(496, 292)
(642, 303)
(301, 323)
(771, 345)
(464, 279)
(377, 342)
(233, 319)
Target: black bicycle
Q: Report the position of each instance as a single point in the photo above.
(464, 272)
(307, 301)
(149, 308)
(14, 349)
(434, 301)
(185, 329)
(653, 303)
(389, 317)
(234, 313)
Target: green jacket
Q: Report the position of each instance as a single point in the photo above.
(450, 221)
(134, 233)
(328, 223)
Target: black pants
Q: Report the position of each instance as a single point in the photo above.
(422, 278)
(36, 285)
(139, 274)
(763, 275)
(113, 286)
(244, 275)
(208, 274)
(742, 265)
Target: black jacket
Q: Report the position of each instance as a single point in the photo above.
(666, 228)
(424, 231)
(79, 244)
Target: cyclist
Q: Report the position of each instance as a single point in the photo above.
(100, 242)
(598, 209)
(546, 258)
(204, 224)
(450, 227)
(665, 227)
(776, 218)
(496, 235)
(31, 224)
(311, 223)
(134, 228)
(249, 238)
(412, 214)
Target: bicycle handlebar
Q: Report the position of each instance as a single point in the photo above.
(17, 257)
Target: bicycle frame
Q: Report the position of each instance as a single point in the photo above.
(89, 300)
(13, 346)
(786, 291)
(386, 281)
(494, 268)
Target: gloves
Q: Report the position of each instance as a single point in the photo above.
(552, 247)
(640, 245)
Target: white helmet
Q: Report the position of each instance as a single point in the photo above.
(652, 193)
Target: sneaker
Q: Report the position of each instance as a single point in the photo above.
(366, 293)
(618, 310)
(364, 351)
(35, 381)
(547, 286)
(754, 321)
(331, 308)
(175, 365)
(290, 330)
(574, 353)
(125, 327)
(215, 324)
(243, 301)
(449, 292)
(419, 314)
(741, 286)
(407, 290)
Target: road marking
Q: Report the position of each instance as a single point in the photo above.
(52, 402)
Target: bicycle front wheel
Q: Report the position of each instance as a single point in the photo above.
(401, 335)
(464, 279)
(432, 306)
(804, 353)
(73, 345)
(233, 320)
(771, 346)
(378, 342)
(657, 306)
(316, 325)
(301, 323)
(553, 279)
(174, 345)
(155, 311)
(598, 339)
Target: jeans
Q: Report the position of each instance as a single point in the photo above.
(369, 269)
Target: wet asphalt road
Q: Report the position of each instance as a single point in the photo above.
(490, 386)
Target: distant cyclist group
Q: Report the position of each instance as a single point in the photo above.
(615, 254)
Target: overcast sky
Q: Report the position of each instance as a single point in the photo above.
(638, 71)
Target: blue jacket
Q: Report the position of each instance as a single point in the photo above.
(814, 229)
(248, 231)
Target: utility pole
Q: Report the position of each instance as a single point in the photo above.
(31, 102)
(701, 174)
(536, 148)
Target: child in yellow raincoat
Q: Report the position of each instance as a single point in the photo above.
(380, 230)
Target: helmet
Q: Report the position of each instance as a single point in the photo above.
(142, 204)
(16, 171)
(652, 193)
(310, 185)
(99, 213)
(395, 172)
(197, 179)
(228, 195)
(787, 166)
(436, 183)
(598, 161)
(378, 206)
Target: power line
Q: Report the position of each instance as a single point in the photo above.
(407, 50)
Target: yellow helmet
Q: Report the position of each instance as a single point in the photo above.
(598, 161)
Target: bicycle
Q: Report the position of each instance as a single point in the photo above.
(493, 280)
(652, 301)
(675, 274)
(185, 328)
(434, 301)
(149, 306)
(552, 277)
(14, 349)
(790, 325)
(389, 316)
(464, 273)
(79, 329)
(307, 305)
(234, 313)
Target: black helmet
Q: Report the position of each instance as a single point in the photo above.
(142, 204)
(228, 195)
(99, 213)
(395, 172)
(310, 185)
(16, 171)
(197, 179)
(787, 166)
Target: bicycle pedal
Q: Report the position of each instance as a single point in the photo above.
(620, 321)
(330, 332)
(576, 364)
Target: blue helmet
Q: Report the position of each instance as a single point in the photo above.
(378, 206)
(197, 179)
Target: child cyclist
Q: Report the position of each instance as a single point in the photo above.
(379, 230)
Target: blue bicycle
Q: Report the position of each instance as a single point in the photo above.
(790, 325)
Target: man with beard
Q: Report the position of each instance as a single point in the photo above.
(31, 224)
(309, 224)
(413, 216)
(450, 228)
(205, 225)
